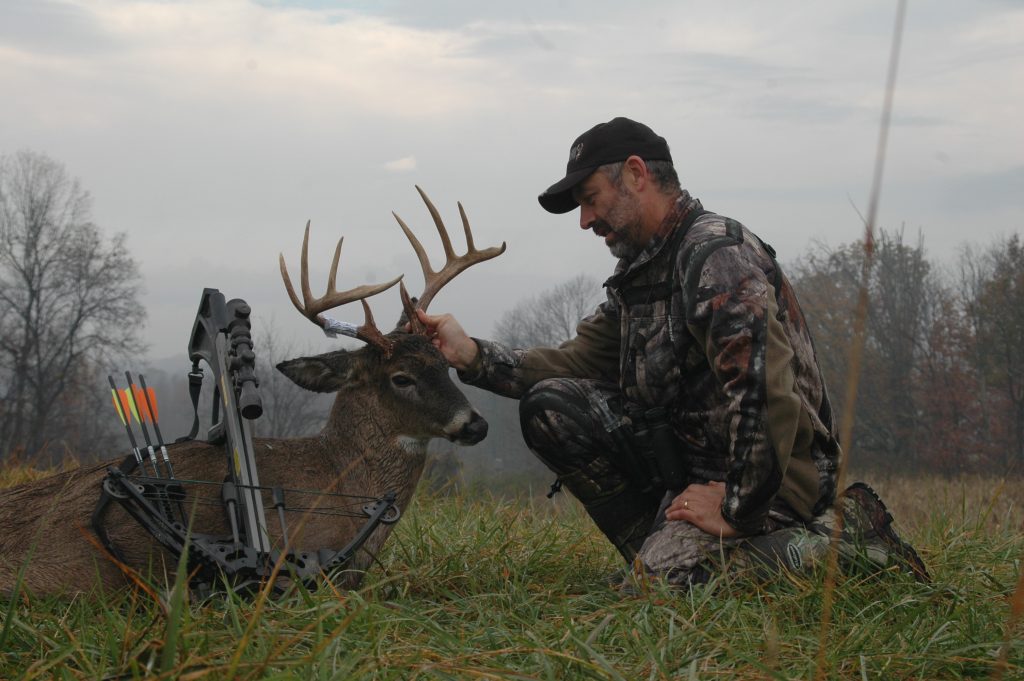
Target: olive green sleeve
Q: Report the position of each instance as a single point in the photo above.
(592, 353)
(789, 426)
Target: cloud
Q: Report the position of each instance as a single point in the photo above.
(221, 126)
(401, 165)
(325, 61)
(996, 30)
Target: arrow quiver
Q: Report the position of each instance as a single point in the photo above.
(221, 337)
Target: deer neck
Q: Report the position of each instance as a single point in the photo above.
(362, 432)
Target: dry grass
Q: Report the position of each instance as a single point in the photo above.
(502, 589)
(15, 472)
(982, 502)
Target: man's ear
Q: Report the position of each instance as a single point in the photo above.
(325, 373)
(635, 173)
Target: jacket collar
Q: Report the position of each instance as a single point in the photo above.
(667, 232)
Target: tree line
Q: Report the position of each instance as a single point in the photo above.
(70, 315)
(68, 306)
(942, 380)
(942, 384)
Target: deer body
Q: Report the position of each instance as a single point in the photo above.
(394, 395)
(374, 442)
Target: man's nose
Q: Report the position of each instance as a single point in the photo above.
(586, 217)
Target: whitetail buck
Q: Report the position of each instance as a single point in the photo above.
(394, 395)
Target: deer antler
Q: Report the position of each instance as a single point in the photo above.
(454, 265)
(311, 308)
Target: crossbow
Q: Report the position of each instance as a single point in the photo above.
(159, 500)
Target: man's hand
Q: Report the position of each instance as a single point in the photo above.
(447, 336)
(701, 505)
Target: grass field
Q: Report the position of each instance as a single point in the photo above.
(471, 587)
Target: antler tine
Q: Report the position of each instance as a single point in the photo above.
(369, 332)
(449, 252)
(415, 325)
(421, 254)
(332, 278)
(307, 294)
(465, 227)
(304, 280)
(288, 284)
(310, 307)
(434, 281)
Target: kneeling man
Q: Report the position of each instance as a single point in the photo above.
(688, 414)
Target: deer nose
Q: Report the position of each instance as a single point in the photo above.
(472, 431)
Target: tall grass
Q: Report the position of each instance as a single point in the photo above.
(14, 471)
(472, 587)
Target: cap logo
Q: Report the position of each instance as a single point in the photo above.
(576, 152)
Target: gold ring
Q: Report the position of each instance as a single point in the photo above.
(686, 504)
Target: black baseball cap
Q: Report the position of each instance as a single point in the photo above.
(610, 142)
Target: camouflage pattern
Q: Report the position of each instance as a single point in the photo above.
(683, 555)
(703, 324)
(694, 324)
(575, 428)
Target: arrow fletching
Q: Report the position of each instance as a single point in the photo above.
(139, 398)
(126, 409)
(155, 411)
(129, 403)
(117, 406)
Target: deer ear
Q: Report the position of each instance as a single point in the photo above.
(325, 373)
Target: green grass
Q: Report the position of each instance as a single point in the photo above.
(478, 588)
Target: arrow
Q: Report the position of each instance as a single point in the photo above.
(146, 399)
(137, 413)
(124, 413)
(150, 411)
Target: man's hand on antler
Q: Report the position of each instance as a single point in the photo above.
(447, 335)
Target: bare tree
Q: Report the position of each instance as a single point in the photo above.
(1000, 307)
(550, 318)
(288, 410)
(902, 283)
(975, 269)
(827, 280)
(68, 301)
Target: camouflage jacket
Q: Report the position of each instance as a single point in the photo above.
(703, 323)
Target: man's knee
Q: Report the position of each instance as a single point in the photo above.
(533, 403)
(561, 426)
(550, 410)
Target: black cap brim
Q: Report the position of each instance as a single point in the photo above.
(558, 197)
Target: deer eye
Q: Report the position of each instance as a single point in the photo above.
(402, 381)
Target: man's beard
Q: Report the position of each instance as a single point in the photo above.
(624, 220)
(625, 249)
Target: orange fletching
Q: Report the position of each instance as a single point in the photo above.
(152, 404)
(140, 404)
(126, 407)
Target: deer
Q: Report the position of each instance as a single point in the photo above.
(394, 395)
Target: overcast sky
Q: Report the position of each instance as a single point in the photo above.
(211, 130)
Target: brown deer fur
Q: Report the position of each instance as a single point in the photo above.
(374, 441)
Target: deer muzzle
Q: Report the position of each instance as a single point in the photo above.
(469, 429)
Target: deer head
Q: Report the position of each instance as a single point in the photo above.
(403, 371)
